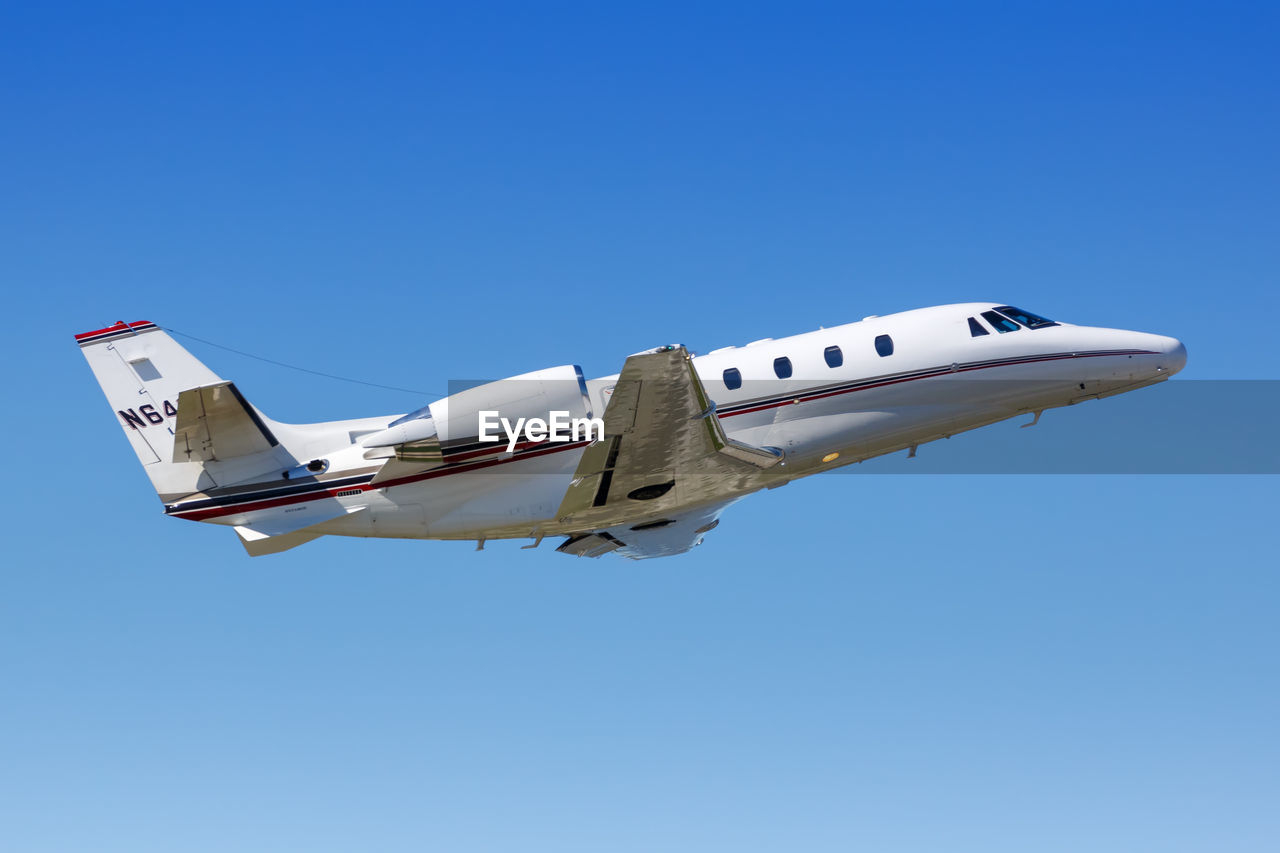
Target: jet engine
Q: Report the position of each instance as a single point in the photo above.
(449, 429)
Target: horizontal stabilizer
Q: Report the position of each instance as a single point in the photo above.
(215, 422)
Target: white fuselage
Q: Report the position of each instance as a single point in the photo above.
(941, 378)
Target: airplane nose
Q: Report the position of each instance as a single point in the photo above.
(1175, 356)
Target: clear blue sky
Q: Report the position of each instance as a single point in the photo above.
(411, 195)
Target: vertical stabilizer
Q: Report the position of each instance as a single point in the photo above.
(143, 371)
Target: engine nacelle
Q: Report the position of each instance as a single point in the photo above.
(529, 395)
(450, 428)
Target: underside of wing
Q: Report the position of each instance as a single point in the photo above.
(661, 537)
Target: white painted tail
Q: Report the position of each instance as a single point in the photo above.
(144, 372)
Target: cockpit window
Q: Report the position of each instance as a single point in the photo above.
(1000, 323)
(1026, 318)
(976, 329)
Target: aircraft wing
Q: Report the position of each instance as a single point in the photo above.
(659, 538)
(663, 448)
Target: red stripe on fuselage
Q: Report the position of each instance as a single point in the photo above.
(803, 397)
(270, 503)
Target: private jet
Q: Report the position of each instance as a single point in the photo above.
(640, 464)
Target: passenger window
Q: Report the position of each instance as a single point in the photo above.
(1000, 324)
(782, 367)
(732, 379)
(884, 345)
(834, 357)
(976, 329)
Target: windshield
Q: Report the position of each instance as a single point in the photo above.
(1026, 318)
(1000, 323)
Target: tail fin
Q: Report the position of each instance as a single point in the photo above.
(144, 372)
